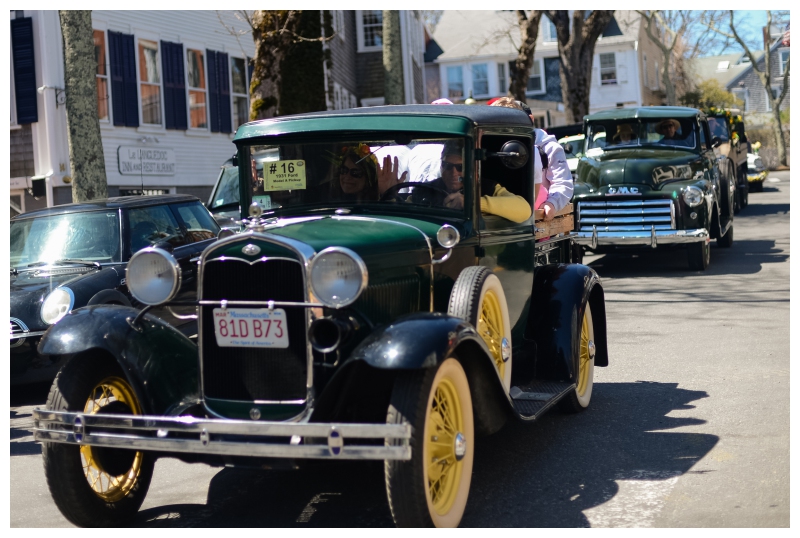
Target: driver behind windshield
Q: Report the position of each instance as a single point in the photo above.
(499, 201)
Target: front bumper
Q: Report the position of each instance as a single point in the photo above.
(225, 437)
(594, 239)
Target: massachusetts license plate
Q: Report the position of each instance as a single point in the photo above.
(251, 327)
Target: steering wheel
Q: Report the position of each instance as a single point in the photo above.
(392, 192)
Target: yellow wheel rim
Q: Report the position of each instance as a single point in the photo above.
(584, 358)
(107, 487)
(444, 422)
(490, 327)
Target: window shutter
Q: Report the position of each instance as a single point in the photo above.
(622, 73)
(224, 86)
(219, 92)
(213, 89)
(24, 70)
(174, 85)
(124, 88)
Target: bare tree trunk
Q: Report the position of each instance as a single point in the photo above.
(393, 90)
(86, 159)
(529, 31)
(272, 33)
(777, 128)
(576, 53)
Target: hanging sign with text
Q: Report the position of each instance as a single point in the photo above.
(136, 160)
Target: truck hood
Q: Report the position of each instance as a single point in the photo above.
(646, 169)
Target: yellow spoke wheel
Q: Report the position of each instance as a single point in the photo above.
(431, 489)
(95, 486)
(478, 298)
(579, 399)
(104, 481)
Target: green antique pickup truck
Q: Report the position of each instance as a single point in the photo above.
(650, 178)
(349, 318)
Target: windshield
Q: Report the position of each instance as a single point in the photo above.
(227, 193)
(718, 128)
(90, 237)
(294, 177)
(665, 132)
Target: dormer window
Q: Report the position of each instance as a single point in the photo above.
(723, 65)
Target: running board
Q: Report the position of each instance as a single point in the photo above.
(532, 401)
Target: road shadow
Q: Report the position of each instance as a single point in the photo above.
(29, 394)
(527, 475)
(746, 257)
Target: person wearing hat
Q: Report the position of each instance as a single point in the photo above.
(495, 199)
(669, 128)
(624, 134)
(557, 179)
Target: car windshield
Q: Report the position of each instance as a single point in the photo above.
(295, 177)
(620, 134)
(718, 128)
(572, 146)
(88, 237)
(227, 192)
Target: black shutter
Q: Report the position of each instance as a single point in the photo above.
(219, 92)
(24, 70)
(174, 85)
(122, 70)
(224, 99)
(213, 90)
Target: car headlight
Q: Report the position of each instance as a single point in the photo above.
(153, 276)
(57, 305)
(692, 196)
(338, 276)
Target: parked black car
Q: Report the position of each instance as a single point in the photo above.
(75, 255)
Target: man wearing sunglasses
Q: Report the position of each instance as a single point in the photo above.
(499, 202)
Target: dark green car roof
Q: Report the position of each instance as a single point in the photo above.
(457, 120)
(648, 112)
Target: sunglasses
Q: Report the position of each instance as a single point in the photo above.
(446, 166)
(354, 172)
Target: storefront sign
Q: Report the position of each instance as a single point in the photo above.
(136, 161)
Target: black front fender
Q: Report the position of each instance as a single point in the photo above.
(414, 341)
(161, 363)
(560, 295)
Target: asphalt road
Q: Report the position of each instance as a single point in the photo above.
(688, 426)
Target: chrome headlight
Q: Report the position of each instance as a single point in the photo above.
(153, 276)
(447, 236)
(692, 196)
(57, 305)
(338, 276)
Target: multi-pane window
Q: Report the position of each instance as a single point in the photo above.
(502, 81)
(784, 54)
(196, 77)
(101, 74)
(535, 80)
(149, 82)
(549, 33)
(480, 79)
(373, 28)
(608, 68)
(455, 81)
(239, 92)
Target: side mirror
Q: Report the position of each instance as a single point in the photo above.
(715, 142)
(568, 149)
(513, 154)
(235, 160)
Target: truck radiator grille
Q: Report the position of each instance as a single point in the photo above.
(382, 303)
(626, 215)
(238, 373)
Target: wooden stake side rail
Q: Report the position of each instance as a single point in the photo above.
(563, 222)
